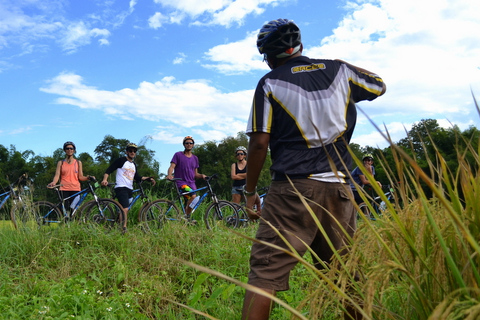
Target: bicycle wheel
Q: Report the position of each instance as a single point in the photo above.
(364, 210)
(23, 217)
(104, 212)
(47, 213)
(157, 213)
(221, 214)
(243, 220)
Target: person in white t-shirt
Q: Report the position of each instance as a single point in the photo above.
(126, 174)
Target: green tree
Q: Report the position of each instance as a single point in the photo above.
(218, 157)
(14, 163)
(110, 149)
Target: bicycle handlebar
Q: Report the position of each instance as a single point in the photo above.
(207, 178)
(54, 186)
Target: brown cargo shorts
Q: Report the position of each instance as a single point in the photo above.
(269, 267)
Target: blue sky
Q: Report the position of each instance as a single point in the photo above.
(158, 70)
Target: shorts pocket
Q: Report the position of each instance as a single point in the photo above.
(261, 253)
(344, 194)
(290, 192)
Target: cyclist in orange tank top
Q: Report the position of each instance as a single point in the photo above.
(69, 172)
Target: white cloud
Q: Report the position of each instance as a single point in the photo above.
(180, 59)
(79, 34)
(157, 20)
(217, 12)
(32, 24)
(236, 57)
(200, 105)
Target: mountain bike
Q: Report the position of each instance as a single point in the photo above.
(377, 204)
(138, 195)
(218, 213)
(97, 211)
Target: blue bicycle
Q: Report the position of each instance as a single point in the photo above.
(97, 211)
(139, 195)
(218, 213)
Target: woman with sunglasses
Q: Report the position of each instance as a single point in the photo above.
(69, 172)
(239, 173)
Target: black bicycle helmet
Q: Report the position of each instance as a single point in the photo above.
(278, 36)
(69, 143)
(131, 145)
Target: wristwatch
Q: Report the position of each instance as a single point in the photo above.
(247, 193)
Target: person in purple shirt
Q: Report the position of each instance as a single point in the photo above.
(184, 165)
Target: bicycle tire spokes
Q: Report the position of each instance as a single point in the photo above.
(221, 214)
(157, 213)
(104, 212)
(46, 214)
(243, 219)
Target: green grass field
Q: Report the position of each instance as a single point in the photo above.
(418, 261)
(67, 272)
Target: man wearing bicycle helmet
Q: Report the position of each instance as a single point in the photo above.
(69, 172)
(184, 165)
(126, 174)
(238, 173)
(304, 111)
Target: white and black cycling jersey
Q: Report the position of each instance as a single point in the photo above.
(291, 105)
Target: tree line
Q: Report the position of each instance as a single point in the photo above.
(423, 141)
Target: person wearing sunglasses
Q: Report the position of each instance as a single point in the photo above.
(361, 180)
(126, 174)
(239, 173)
(69, 172)
(184, 165)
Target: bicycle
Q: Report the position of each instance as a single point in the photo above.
(18, 206)
(97, 211)
(244, 220)
(377, 203)
(139, 194)
(219, 212)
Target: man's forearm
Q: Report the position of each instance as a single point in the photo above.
(257, 152)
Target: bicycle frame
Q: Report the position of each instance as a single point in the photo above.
(183, 204)
(6, 196)
(12, 192)
(181, 195)
(61, 205)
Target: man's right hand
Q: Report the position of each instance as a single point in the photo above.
(104, 183)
